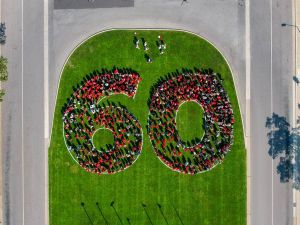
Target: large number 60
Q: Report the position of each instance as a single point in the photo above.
(83, 116)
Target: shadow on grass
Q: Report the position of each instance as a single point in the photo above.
(162, 213)
(144, 207)
(99, 208)
(86, 213)
(112, 205)
(177, 214)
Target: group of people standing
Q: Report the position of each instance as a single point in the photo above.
(83, 116)
(161, 46)
(205, 153)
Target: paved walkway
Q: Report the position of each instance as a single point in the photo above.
(296, 193)
(1, 186)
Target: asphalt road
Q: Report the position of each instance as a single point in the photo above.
(12, 117)
(23, 140)
(271, 91)
(221, 22)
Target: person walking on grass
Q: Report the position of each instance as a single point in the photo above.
(136, 41)
(149, 60)
(162, 45)
(146, 48)
(161, 49)
(160, 39)
(137, 46)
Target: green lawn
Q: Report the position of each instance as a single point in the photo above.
(189, 121)
(102, 137)
(215, 197)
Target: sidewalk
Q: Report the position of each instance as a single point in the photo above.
(296, 193)
(1, 185)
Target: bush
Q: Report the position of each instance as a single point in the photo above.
(3, 69)
(2, 33)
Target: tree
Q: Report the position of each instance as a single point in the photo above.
(3, 69)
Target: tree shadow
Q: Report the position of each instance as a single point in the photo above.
(278, 135)
(284, 142)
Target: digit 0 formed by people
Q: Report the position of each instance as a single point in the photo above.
(202, 155)
(83, 116)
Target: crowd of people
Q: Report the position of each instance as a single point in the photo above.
(166, 97)
(83, 116)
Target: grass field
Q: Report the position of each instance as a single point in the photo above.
(217, 197)
(102, 137)
(189, 121)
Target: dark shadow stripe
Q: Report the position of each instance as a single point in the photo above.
(85, 4)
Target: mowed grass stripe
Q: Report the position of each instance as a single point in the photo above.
(215, 197)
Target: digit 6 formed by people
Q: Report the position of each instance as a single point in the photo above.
(83, 116)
